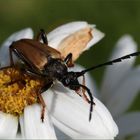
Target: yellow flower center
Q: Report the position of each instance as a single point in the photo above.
(17, 90)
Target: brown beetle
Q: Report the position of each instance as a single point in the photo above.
(47, 64)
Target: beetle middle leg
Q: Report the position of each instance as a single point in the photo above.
(41, 100)
(68, 60)
(42, 35)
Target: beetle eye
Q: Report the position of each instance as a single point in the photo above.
(67, 81)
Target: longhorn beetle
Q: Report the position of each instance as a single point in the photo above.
(45, 63)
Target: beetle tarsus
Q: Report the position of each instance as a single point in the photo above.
(42, 114)
(91, 110)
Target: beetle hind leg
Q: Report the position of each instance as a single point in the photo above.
(42, 35)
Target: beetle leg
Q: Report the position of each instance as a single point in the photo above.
(42, 35)
(68, 60)
(41, 100)
(91, 102)
(78, 92)
(46, 87)
(31, 73)
(84, 91)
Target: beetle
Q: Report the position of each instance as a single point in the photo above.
(46, 63)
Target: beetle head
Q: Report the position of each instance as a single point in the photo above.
(70, 80)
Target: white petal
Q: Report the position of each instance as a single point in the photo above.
(34, 128)
(72, 112)
(4, 50)
(63, 31)
(114, 74)
(71, 132)
(97, 36)
(129, 124)
(8, 126)
(58, 34)
(126, 93)
(19, 136)
(60, 135)
(66, 129)
(22, 126)
(101, 114)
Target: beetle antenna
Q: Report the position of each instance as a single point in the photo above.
(91, 100)
(108, 63)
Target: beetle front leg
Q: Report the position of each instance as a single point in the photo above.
(42, 35)
(83, 95)
(68, 60)
(84, 91)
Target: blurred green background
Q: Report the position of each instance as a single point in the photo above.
(114, 17)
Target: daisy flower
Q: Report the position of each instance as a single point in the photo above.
(65, 110)
(120, 86)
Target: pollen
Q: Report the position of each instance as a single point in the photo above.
(17, 90)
